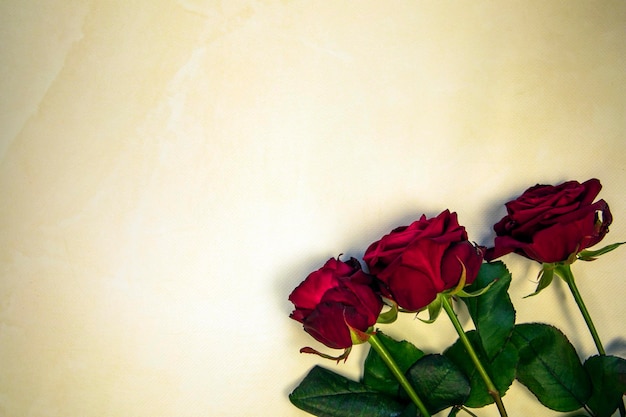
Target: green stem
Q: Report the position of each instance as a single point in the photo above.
(468, 412)
(565, 272)
(491, 388)
(395, 370)
(458, 408)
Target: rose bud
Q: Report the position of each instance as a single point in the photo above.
(334, 298)
(552, 223)
(418, 261)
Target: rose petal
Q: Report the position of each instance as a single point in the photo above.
(451, 269)
(412, 289)
(309, 293)
(326, 324)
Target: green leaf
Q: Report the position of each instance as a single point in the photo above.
(501, 369)
(590, 255)
(410, 411)
(377, 375)
(549, 367)
(325, 394)
(438, 382)
(492, 312)
(608, 379)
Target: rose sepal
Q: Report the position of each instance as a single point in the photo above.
(359, 336)
(477, 293)
(459, 289)
(342, 357)
(390, 315)
(462, 280)
(544, 278)
(592, 255)
(434, 308)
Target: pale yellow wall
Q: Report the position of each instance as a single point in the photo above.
(170, 170)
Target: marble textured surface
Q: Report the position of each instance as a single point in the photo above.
(170, 170)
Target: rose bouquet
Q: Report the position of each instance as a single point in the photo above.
(430, 265)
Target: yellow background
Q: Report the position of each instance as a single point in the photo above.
(171, 170)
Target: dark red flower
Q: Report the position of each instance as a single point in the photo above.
(418, 261)
(335, 296)
(551, 223)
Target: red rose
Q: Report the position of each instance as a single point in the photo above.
(418, 261)
(335, 296)
(550, 223)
